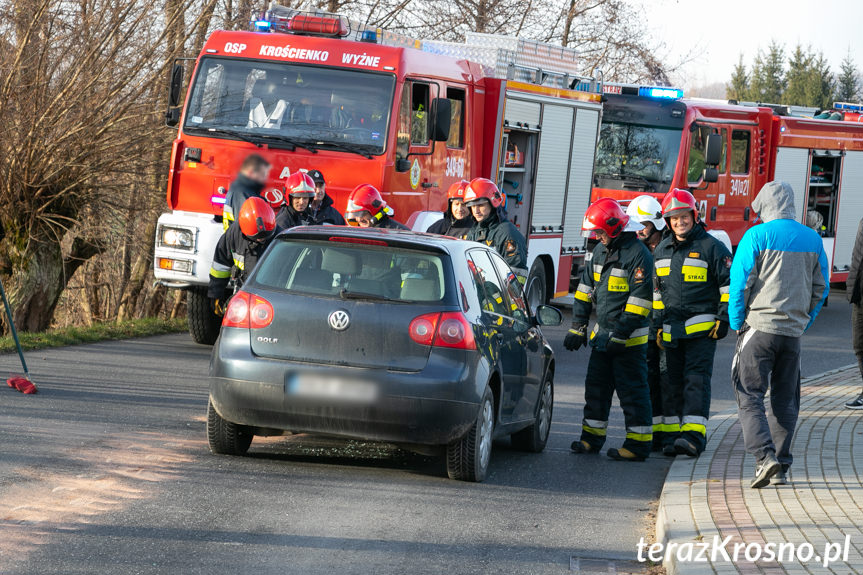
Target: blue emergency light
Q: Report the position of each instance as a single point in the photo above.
(262, 25)
(370, 36)
(660, 92)
(846, 107)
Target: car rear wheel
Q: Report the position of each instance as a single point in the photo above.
(535, 437)
(224, 437)
(204, 324)
(467, 458)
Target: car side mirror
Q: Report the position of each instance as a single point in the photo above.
(713, 150)
(441, 117)
(548, 315)
(710, 175)
(403, 165)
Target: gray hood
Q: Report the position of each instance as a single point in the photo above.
(775, 201)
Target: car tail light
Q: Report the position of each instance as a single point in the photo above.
(448, 329)
(422, 328)
(362, 241)
(248, 311)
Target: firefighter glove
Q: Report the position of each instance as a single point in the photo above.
(219, 307)
(616, 344)
(575, 338)
(719, 329)
(659, 339)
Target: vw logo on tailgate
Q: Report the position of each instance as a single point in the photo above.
(339, 320)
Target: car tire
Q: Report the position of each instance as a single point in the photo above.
(204, 324)
(467, 458)
(224, 437)
(535, 287)
(535, 437)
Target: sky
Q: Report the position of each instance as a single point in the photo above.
(714, 33)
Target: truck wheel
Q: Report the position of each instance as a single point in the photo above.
(535, 437)
(535, 285)
(467, 458)
(224, 437)
(204, 324)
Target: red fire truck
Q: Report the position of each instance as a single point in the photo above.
(315, 91)
(653, 139)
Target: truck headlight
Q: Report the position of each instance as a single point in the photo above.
(178, 238)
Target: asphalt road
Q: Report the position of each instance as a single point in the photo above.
(107, 472)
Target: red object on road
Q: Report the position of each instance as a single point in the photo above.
(22, 384)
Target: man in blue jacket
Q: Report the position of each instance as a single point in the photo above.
(779, 281)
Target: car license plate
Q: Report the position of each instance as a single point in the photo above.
(330, 387)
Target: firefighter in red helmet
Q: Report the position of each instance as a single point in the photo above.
(492, 228)
(456, 221)
(367, 209)
(239, 248)
(690, 313)
(299, 189)
(617, 285)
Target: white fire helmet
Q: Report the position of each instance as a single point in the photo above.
(646, 209)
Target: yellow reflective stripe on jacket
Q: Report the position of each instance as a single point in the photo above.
(597, 272)
(657, 300)
(618, 284)
(663, 267)
(723, 294)
(638, 306)
(694, 270)
(239, 263)
(698, 323)
(582, 293)
(666, 332)
(218, 273)
(638, 337)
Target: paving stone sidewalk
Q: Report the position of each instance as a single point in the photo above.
(710, 496)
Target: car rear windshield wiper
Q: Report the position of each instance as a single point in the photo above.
(344, 147)
(345, 294)
(630, 177)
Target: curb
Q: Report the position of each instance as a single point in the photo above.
(685, 492)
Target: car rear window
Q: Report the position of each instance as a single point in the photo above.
(326, 268)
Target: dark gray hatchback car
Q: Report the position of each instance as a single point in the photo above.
(383, 335)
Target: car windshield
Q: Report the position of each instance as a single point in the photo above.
(353, 271)
(303, 105)
(638, 152)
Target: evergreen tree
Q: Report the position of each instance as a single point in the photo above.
(799, 77)
(848, 81)
(768, 81)
(819, 88)
(738, 87)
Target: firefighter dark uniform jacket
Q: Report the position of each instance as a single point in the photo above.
(691, 285)
(240, 190)
(288, 218)
(504, 237)
(234, 254)
(388, 223)
(449, 226)
(618, 280)
(327, 213)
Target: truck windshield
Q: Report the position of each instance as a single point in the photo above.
(637, 152)
(307, 106)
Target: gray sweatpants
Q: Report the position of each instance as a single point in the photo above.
(763, 361)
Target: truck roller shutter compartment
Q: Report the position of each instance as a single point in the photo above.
(792, 167)
(580, 176)
(850, 209)
(552, 168)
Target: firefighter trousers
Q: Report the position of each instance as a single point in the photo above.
(686, 394)
(625, 373)
(656, 374)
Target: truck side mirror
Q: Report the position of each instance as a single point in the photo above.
(710, 175)
(403, 165)
(713, 150)
(172, 116)
(441, 117)
(175, 85)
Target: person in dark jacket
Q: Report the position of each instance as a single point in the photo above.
(617, 285)
(690, 313)
(323, 208)
(457, 220)
(854, 292)
(646, 211)
(295, 212)
(492, 228)
(249, 183)
(239, 248)
(779, 281)
(367, 209)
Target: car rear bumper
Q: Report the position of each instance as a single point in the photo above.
(431, 407)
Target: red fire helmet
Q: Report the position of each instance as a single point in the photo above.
(257, 219)
(482, 188)
(457, 190)
(605, 214)
(678, 201)
(366, 198)
(300, 185)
